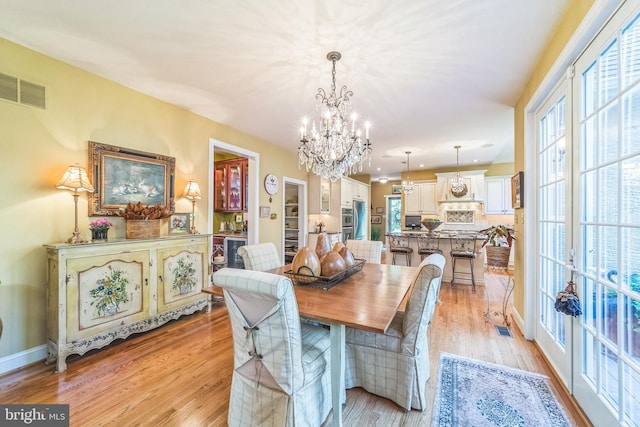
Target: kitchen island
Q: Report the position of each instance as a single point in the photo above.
(444, 244)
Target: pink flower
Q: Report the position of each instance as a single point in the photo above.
(100, 224)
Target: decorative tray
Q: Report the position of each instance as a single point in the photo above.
(325, 282)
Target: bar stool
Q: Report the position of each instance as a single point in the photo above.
(463, 247)
(428, 244)
(399, 244)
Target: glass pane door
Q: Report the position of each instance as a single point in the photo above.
(551, 326)
(607, 223)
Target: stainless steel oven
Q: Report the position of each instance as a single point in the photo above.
(347, 234)
(347, 217)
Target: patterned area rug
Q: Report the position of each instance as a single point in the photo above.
(474, 393)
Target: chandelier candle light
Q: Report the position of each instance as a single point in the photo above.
(192, 192)
(336, 147)
(407, 185)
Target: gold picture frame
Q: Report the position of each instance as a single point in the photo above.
(122, 175)
(517, 193)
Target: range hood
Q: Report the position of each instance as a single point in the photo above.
(475, 187)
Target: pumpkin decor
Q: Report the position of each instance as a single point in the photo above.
(306, 262)
(323, 245)
(332, 263)
(347, 255)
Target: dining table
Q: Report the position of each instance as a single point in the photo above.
(369, 299)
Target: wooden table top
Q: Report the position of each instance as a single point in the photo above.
(366, 300)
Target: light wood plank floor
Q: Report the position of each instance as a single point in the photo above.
(180, 374)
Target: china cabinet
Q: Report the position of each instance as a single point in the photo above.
(230, 185)
(98, 293)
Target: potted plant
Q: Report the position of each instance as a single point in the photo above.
(498, 240)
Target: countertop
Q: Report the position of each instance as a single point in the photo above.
(231, 234)
(325, 232)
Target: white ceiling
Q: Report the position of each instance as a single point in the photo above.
(428, 74)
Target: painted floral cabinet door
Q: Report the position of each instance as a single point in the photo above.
(182, 275)
(103, 291)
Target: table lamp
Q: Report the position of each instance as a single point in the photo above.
(75, 179)
(192, 192)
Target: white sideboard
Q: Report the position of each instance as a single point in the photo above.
(98, 293)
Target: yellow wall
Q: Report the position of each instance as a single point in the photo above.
(38, 145)
(570, 22)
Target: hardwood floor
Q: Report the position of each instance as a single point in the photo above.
(180, 374)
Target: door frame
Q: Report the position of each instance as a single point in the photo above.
(253, 235)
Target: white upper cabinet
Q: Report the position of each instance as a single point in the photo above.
(497, 195)
(423, 199)
(351, 190)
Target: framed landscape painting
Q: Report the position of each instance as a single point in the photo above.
(121, 175)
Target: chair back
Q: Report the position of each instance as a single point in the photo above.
(428, 242)
(421, 304)
(260, 257)
(463, 245)
(369, 250)
(398, 241)
(265, 325)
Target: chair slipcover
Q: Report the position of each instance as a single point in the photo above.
(260, 257)
(282, 369)
(366, 249)
(395, 364)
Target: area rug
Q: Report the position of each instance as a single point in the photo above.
(474, 393)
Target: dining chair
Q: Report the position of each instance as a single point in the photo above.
(463, 248)
(260, 256)
(399, 244)
(370, 250)
(282, 368)
(395, 365)
(428, 244)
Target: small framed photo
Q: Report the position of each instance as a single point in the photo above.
(517, 188)
(379, 210)
(376, 219)
(396, 188)
(239, 218)
(179, 223)
(265, 211)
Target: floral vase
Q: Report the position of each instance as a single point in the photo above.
(99, 235)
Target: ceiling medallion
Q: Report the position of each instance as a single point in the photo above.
(337, 146)
(458, 187)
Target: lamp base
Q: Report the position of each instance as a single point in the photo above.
(76, 238)
(193, 230)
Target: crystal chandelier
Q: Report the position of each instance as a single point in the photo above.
(458, 187)
(407, 185)
(335, 148)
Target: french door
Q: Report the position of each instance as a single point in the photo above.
(588, 194)
(606, 221)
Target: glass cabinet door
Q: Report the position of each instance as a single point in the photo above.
(220, 178)
(235, 187)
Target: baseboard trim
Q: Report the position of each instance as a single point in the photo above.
(24, 358)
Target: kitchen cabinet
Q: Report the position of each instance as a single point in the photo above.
(497, 195)
(319, 195)
(230, 185)
(423, 199)
(97, 293)
(351, 190)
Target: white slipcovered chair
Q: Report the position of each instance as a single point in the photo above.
(282, 369)
(395, 364)
(260, 257)
(366, 249)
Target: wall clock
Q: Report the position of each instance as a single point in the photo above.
(271, 185)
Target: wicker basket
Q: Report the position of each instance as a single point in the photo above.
(498, 256)
(143, 228)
